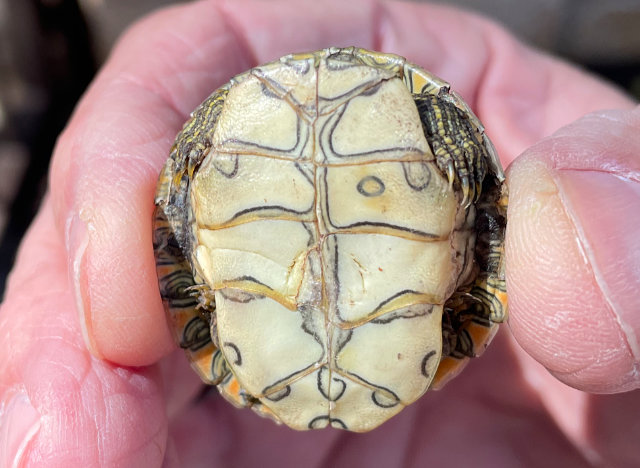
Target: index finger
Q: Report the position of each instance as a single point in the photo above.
(106, 163)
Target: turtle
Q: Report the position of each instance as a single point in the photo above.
(328, 234)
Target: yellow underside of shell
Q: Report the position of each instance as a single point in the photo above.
(326, 231)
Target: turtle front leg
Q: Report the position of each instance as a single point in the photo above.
(455, 143)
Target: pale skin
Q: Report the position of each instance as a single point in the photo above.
(89, 375)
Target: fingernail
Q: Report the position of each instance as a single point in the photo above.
(77, 242)
(605, 209)
(19, 423)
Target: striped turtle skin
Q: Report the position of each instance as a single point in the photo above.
(329, 237)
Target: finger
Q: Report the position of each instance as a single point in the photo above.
(106, 165)
(59, 406)
(573, 252)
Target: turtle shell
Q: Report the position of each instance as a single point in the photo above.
(329, 238)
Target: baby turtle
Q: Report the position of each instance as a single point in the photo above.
(329, 237)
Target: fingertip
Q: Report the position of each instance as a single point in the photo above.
(570, 307)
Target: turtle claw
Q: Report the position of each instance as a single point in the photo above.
(451, 172)
(466, 191)
(204, 295)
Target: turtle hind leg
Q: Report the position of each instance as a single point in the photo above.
(483, 301)
(460, 154)
(466, 332)
(190, 329)
(197, 331)
(489, 288)
(471, 315)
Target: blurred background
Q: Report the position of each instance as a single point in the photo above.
(50, 50)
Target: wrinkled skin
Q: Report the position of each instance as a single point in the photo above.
(90, 377)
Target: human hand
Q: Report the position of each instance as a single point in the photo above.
(88, 376)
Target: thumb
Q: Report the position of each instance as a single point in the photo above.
(573, 252)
